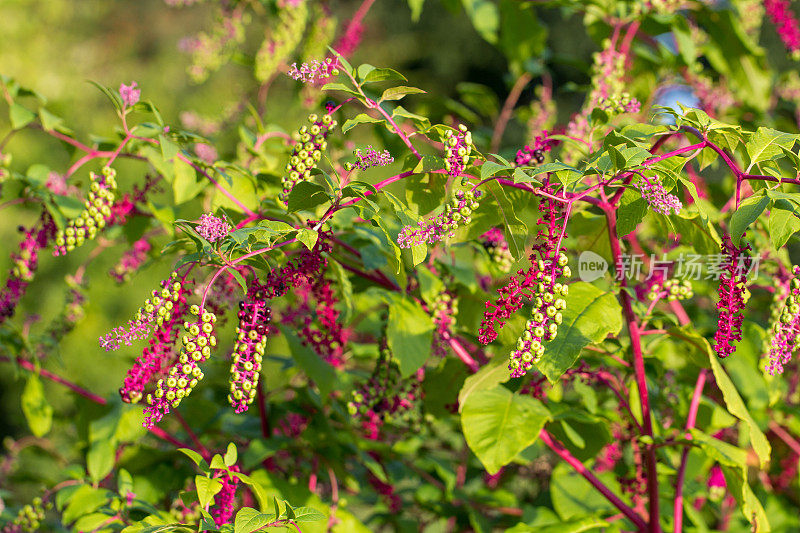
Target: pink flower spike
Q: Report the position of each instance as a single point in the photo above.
(129, 94)
(212, 228)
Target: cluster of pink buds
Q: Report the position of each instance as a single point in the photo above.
(786, 329)
(157, 355)
(248, 352)
(185, 373)
(213, 228)
(385, 398)
(159, 309)
(458, 147)
(130, 94)
(733, 295)
(780, 12)
(311, 142)
(656, 195)
(370, 158)
(29, 518)
(223, 508)
(537, 284)
(619, 103)
(24, 263)
(671, 289)
(527, 155)
(444, 310)
(495, 243)
(130, 261)
(95, 215)
(314, 71)
(436, 228)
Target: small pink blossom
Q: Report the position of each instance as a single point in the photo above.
(129, 94)
(212, 228)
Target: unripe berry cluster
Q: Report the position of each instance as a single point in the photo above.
(185, 373)
(456, 213)
(619, 103)
(158, 308)
(311, 142)
(156, 357)
(385, 398)
(444, 309)
(29, 518)
(548, 302)
(786, 328)
(95, 215)
(671, 289)
(495, 243)
(248, 352)
(458, 147)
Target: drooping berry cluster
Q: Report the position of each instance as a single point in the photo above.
(444, 309)
(656, 195)
(786, 329)
(456, 213)
(213, 228)
(158, 355)
(130, 261)
(495, 243)
(780, 13)
(618, 104)
(529, 154)
(185, 373)
(313, 71)
(385, 398)
(223, 508)
(457, 146)
(95, 215)
(29, 518)
(248, 352)
(537, 284)
(24, 263)
(311, 142)
(157, 309)
(671, 289)
(733, 295)
(370, 158)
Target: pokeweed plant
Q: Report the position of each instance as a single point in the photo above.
(436, 330)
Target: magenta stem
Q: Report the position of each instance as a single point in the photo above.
(691, 419)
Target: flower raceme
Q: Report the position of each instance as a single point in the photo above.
(224, 507)
(212, 228)
(313, 71)
(780, 13)
(656, 195)
(436, 228)
(733, 295)
(184, 374)
(130, 94)
(370, 158)
(311, 142)
(94, 217)
(458, 147)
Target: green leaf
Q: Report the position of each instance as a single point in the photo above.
(37, 411)
(361, 118)
(783, 223)
(184, 184)
(217, 463)
(489, 376)
(485, 18)
(719, 450)
(574, 497)
(737, 408)
(196, 457)
(248, 520)
(751, 508)
(100, 459)
(498, 425)
(409, 334)
(766, 143)
(398, 93)
(231, 455)
(92, 521)
(307, 195)
(20, 116)
(632, 209)
(308, 237)
(341, 87)
(242, 188)
(490, 168)
(207, 488)
(86, 499)
(110, 94)
(50, 121)
(345, 291)
(749, 210)
(307, 514)
(416, 9)
(555, 166)
(420, 121)
(383, 74)
(307, 359)
(591, 315)
(516, 231)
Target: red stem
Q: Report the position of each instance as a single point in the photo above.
(579, 467)
(690, 422)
